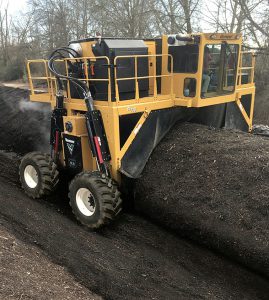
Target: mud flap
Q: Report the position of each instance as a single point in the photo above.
(152, 132)
(234, 118)
(224, 115)
(212, 116)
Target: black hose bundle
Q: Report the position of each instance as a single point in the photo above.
(60, 53)
(95, 127)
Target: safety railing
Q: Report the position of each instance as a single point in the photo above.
(249, 70)
(89, 62)
(32, 79)
(136, 78)
(49, 78)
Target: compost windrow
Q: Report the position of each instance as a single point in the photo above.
(212, 186)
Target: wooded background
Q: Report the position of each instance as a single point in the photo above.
(47, 24)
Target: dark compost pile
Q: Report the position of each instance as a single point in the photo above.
(212, 186)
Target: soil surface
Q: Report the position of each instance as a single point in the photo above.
(26, 273)
(212, 187)
(132, 259)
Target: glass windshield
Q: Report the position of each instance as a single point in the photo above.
(219, 69)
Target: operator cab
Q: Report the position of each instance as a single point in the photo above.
(206, 63)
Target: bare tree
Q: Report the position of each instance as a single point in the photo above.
(249, 8)
(4, 34)
(189, 7)
(130, 18)
(224, 15)
(174, 16)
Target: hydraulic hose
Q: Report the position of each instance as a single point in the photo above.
(92, 126)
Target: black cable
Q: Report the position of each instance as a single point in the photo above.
(75, 81)
(68, 50)
(81, 85)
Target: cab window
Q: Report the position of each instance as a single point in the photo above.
(219, 69)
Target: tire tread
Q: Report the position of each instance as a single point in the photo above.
(108, 193)
(48, 171)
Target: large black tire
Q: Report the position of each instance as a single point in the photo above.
(95, 199)
(38, 174)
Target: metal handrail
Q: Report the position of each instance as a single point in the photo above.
(142, 77)
(241, 68)
(137, 78)
(51, 80)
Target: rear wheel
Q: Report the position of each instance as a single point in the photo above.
(95, 199)
(38, 174)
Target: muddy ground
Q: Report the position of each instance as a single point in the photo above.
(133, 259)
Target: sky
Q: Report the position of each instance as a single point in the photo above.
(14, 6)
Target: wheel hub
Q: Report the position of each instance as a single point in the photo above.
(31, 176)
(85, 202)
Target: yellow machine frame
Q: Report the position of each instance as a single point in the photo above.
(170, 95)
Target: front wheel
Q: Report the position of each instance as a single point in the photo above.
(38, 174)
(95, 199)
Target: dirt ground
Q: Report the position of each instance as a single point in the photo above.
(26, 273)
(133, 259)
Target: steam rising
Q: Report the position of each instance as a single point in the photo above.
(26, 105)
(25, 125)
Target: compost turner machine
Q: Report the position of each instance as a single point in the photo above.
(113, 100)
